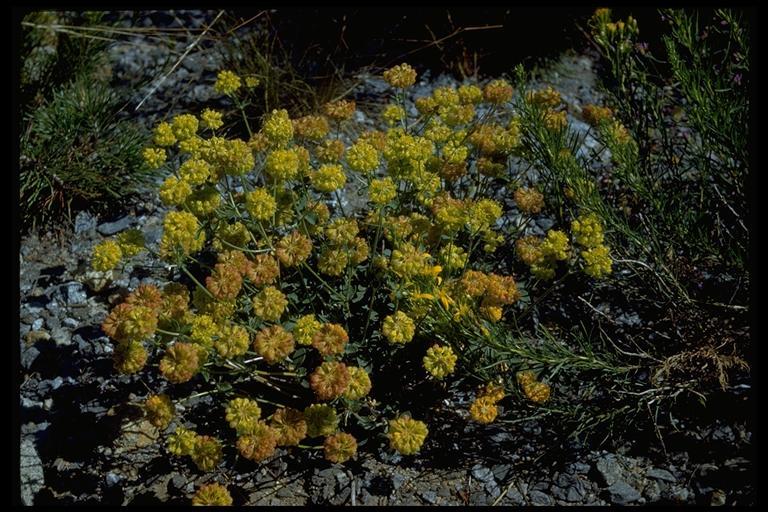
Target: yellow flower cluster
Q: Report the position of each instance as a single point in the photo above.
(106, 255)
(340, 110)
(359, 383)
(588, 233)
(314, 128)
(211, 119)
(184, 126)
(289, 425)
(278, 128)
(260, 204)
(339, 448)
(154, 157)
(330, 339)
(401, 76)
(362, 157)
(533, 389)
(529, 200)
(382, 191)
(212, 495)
(547, 97)
(398, 328)
(328, 178)
(227, 83)
(406, 435)
(440, 361)
(595, 114)
(164, 136)
(305, 329)
(321, 420)
(160, 410)
(329, 380)
(273, 343)
(242, 414)
(497, 92)
(269, 304)
(393, 114)
(181, 232)
(484, 409)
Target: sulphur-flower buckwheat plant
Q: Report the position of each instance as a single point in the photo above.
(288, 301)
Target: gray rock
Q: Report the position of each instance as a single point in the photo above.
(71, 323)
(32, 428)
(61, 336)
(398, 480)
(30, 471)
(482, 473)
(75, 294)
(514, 496)
(660, 474)
(621, 493)
(500, 471)
(574, 495)
(652, 491)
(679, 495)
(110, 228)
(610, 470)
(28, 357)
(84, 223)
(429, 496)
(112, 479)
(37, 324)
(540, 498)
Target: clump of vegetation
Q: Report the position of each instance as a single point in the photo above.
(309, 320)
(75, 151)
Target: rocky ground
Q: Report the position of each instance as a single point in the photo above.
(83, 442)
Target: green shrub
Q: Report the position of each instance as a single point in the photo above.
(75, 151)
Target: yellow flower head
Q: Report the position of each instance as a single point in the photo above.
(393, 114)
(106, 255)
(241, 413)
(278, 127)
(305, 329)
(180, 362)
(382, 191)
(258, 443)
(159, 410)
(321, 420)
(290, 426)
(595, 114)
(328, 178)
(129, 357)
(293, 249)
(529, 200)
(362, 157)
(329, 380)
(597, 261)
(340, 110)
(181, 232)
(232, 341)
(260, 204)
(175, 191)
(547, 97)
(282, 165)
(163, 135)
(213, 494)
(587, 230)
(330, 339)
(398, 328)
(182, 441)
(273, 343)
(311, 127)
(227, 83)
(359, 383)
(497, 92)
(207, 453)
(483, 410)
(440, 361)
(195, 171)
(154, 157)
(269, 304)
(211, 119)
(470, 94)
(406, 435)
(339, 447)
(401, 76)
(184, 126)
